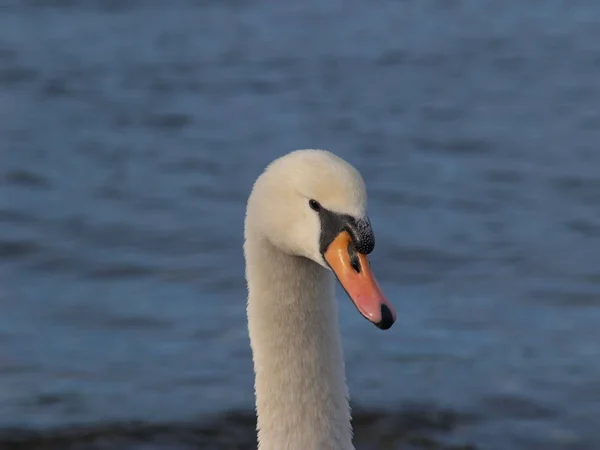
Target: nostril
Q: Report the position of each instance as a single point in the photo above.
(354, 261)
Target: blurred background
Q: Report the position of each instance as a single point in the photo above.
(130, 135)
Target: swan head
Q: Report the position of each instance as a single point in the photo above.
(312, 204)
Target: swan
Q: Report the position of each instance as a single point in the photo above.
(306, 225)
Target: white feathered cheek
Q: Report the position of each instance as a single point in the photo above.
(307, 233)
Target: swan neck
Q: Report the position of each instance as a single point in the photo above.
(300, 386)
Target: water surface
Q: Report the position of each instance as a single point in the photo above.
(131, 134)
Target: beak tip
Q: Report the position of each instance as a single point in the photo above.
(387, 318)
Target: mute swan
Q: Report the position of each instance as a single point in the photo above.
(306, 217)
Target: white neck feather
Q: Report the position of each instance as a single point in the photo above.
(301, 392)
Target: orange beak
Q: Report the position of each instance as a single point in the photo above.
(353, 271)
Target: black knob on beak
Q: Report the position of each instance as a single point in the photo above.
(362, 234)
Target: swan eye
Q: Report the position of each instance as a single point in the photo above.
(314, 205)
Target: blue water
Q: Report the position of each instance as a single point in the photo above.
(131, 133)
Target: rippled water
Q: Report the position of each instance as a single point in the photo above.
(131, 132)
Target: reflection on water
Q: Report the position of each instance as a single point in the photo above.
(416, 427)
(131, 135)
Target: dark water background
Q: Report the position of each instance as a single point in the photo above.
(130, 134)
